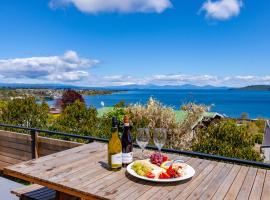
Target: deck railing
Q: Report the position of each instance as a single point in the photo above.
(34, 134)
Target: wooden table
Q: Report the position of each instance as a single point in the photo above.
(82, 172)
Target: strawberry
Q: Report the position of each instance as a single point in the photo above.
(171, 172)
(164, 176)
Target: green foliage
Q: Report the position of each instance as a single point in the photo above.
(118, 112)
(258, 138)
(226, 138)
(260, 123)
(25, 112)
(78, 119)
(120, 104)
(252, 128)
(104, 127)
(244, 115)
(3, 105)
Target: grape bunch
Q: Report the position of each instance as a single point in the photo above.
(158, 158)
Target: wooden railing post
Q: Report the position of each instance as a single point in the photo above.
(34, 144)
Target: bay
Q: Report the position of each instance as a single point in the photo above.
(229, 102)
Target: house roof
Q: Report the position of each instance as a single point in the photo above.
(103, 110)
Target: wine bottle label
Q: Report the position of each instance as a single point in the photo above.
(116, 159)
(127, 157)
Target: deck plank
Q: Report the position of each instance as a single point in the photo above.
(247, 184)
(197, 181)
(237, 183)
(256, 191)
(266, 187)
(224, 187)
(202, 187)
(211, 189)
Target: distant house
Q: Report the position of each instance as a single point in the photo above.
(55, 111)
(205, 119)
(266, 142)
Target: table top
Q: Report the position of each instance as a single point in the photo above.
(82, 172)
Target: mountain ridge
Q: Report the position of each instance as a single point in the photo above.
(123, 87)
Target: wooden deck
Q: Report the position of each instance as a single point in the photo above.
(82, 172)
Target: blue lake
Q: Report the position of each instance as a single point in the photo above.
(229, 102)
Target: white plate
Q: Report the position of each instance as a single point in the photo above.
(188, 173)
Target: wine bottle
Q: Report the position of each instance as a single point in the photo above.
(127, 145)
(115, 148)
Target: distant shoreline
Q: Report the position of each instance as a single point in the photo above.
(48, 94)
(254, 88)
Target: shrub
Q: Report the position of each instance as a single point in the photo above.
(155, 115)
(258, 138)
(244, 115)
(260, 123)
(226, 138)
(78, 119)
(152, 115)
(25, 112)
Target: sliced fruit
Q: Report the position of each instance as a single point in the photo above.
(150, 175)
(171, 172)
(166, 164)
(164, 176)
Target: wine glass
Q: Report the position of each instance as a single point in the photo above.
(160, 136)
(142, 138)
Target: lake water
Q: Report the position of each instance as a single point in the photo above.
(229, 102)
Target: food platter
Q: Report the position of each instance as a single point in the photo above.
(188, 172)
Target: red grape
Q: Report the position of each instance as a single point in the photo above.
(158, 158)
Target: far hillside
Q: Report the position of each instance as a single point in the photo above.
(256, 87)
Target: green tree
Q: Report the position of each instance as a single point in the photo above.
(260, 123)
(3, 105)
(78, 119)
(120, 104)
(25, 112)
(244, 115)
(226, 138)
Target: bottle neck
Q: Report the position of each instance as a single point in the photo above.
(114, 132)
(126, 126)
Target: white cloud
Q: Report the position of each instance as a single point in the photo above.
(122, 6)
(121, 80)
(222, 9)
(246, 80)
(68, 76)
(68, 67)
(180, 79)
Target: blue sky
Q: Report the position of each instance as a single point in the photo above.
(105, 42)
